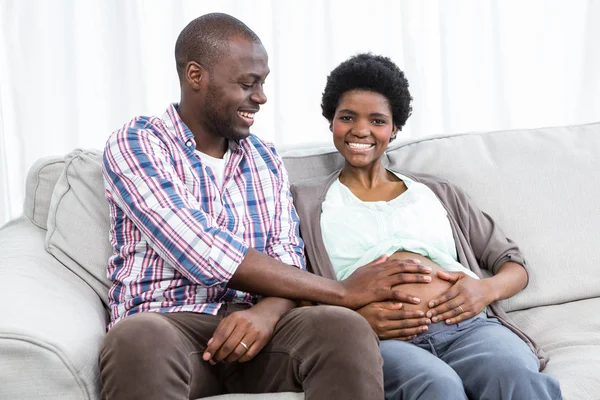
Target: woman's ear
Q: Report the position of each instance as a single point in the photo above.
(331, 126)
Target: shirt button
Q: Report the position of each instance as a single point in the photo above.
(188, 143)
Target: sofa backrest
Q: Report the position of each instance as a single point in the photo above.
(540, 185)
(41, 178)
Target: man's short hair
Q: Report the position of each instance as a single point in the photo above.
(205, 40)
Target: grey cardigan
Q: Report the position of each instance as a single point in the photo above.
(479, 242)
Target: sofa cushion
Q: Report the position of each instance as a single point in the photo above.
(540, 185)
(51, 323)
(570, 335)
(41, 178)
(78, 221)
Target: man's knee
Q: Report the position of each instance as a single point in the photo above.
(333, 321)
(340, 329)
(137, 336)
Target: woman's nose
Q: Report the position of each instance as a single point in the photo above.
(360, 130)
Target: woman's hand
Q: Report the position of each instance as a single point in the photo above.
(389, 321)
(466, 298)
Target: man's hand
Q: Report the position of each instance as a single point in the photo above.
(389, 321)
(374, 281)
(243, 334)
(466, 298)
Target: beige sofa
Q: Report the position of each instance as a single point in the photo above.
(541, 185)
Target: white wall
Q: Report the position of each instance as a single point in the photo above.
(71, 71)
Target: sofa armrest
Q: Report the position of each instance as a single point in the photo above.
(51, 322)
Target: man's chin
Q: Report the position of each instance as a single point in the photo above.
(238, 134)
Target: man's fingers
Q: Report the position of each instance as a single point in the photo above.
(379, 260)
(407, 324)
(400, 333)
(219, 337)
(230, 346)
(403, 297)
(396, 266)
(401, 278)
(388, 305)
(253, 350)
(241, 349)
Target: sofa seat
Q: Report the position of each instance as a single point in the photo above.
(570, 334)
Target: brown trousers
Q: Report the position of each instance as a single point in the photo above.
(328, 352)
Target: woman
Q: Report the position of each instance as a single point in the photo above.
(448, 347)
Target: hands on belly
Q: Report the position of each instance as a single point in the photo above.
(403, 321)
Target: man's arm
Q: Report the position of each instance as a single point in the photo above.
(139, 171)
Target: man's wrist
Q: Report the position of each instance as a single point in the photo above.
(273, 308)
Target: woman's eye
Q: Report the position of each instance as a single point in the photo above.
(346, 118)
(379, 122)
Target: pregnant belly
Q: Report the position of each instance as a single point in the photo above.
(424, 291)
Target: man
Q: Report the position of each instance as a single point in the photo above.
(202, 226)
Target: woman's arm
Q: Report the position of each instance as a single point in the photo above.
(510, 279)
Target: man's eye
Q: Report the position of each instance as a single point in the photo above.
(247, 85)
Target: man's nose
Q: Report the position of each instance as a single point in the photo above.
(259, 96)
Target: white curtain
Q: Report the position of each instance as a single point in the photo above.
(72, 71)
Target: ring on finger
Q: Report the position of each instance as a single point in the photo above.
(244, 345)
(461, 309)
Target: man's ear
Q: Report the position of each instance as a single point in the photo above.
(195, 75)
(331, 126)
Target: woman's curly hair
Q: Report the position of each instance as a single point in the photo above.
(373, 73)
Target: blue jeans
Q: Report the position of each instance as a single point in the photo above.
(474, 359)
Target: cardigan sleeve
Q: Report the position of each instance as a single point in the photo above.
(490, 245)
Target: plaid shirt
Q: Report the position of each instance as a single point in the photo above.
(177, 236)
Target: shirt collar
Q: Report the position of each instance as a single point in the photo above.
(180, 130)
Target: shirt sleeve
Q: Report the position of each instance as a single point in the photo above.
(142, 180)
(284, 243)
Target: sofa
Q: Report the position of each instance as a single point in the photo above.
(541, 185)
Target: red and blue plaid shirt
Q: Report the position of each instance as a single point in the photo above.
(177, 236)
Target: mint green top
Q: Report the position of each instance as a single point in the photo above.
(356, 232)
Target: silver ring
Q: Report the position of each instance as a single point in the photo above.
(461, 309)
(244, 344)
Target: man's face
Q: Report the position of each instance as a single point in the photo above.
(235, 89)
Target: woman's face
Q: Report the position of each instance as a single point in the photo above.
(362, 127)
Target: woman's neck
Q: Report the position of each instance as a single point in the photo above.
(372, 184)
(366, 178)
